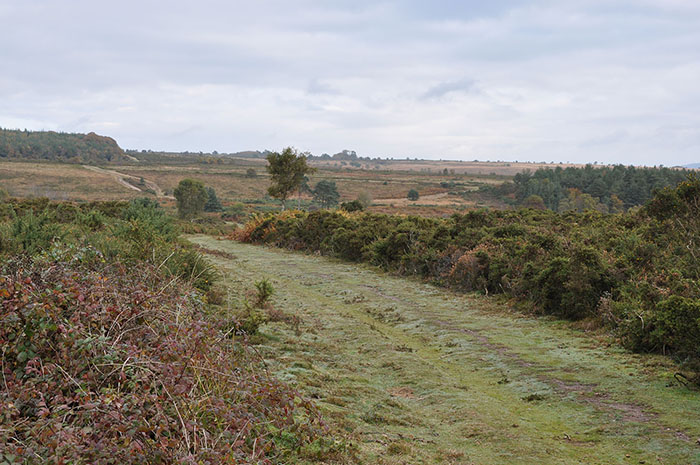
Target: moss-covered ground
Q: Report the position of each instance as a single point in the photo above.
(411, 373)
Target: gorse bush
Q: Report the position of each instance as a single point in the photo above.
(131, 232)
(60, 212)
(93, 220)
(264, 292)
(32, 233)
(638, 272)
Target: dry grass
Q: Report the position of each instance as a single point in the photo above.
(387, 185)
(459, 167)
(60, 182)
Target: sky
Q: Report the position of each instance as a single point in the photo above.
(567, 80)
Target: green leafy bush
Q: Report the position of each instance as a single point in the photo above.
(32, 233)
(354, 206)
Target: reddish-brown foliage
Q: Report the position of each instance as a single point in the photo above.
(107, 364)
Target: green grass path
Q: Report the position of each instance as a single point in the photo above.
(416, 374)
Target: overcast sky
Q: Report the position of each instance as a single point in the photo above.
(561, 80)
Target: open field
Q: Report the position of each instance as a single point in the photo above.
(63, 181)
(232, 182)
(416, 374)
(453, 167)
(441, 194)
(132, 182)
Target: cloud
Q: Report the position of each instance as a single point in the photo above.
(442, 89)
(577, 80)
(317, 87)
(606, 139)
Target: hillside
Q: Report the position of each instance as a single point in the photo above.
(58, 146)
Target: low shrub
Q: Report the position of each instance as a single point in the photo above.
(113, 353)
(108, 363)
(353, 206)
(32, 233)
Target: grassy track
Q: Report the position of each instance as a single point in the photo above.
(416, 374)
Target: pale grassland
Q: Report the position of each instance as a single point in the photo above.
(416, 374)
(230, 182)
(60, 182)
(459, 167)
(387, 188)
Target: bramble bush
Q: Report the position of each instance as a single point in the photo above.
(638, 272)
(107, 363)
(111, 354)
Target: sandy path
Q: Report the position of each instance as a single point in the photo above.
(120, 178)
(443, 198)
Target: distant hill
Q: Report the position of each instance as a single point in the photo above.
(58, 146)
(693, 165)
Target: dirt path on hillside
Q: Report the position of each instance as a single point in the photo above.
(121, 178)
(442, 198)
(416, 374)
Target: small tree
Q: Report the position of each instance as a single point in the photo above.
(191, 197)
(251, 173)
(413, 195)
(213, 204)
(287, 171)
(326, 193)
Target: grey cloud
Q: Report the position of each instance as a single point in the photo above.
(317, 87)
(440, 90)
(607, 139)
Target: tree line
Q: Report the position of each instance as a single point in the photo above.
(607, 189)
(58, 146)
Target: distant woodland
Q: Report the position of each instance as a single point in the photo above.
(58, 146)
(608, 189)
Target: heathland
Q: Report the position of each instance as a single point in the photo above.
(423, 312)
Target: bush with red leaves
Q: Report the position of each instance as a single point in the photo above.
(108, 364)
